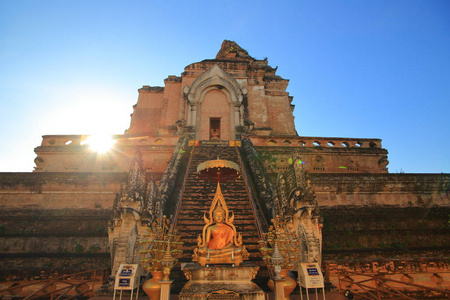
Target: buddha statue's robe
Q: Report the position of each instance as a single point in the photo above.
(222, 235)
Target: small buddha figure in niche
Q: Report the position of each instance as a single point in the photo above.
(215, 135)
(219, 242)
(219, 235)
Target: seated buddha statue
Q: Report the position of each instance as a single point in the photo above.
(215, 134)
(219, 235)
(219, 243)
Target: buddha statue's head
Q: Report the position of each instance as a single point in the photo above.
(219, 215)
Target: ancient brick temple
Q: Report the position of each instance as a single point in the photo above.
(81, 210)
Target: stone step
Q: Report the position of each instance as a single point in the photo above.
(195, 214)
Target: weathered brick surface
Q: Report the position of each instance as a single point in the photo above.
(51, 240)
(55, 221)
(372, 190)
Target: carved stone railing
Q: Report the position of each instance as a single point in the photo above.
(312, 245)
(302, 141)
(168, 180)
(260, 218)
(67, 141)
(261, 180)
(325, 142)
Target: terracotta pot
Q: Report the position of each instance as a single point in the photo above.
(289, 284)
(152, 287)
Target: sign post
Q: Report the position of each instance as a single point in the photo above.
(310, 276)
(127, 278)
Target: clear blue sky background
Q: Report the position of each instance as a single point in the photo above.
(362, 69)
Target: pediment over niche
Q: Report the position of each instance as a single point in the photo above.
(215, 77)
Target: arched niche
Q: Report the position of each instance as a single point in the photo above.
(215, 96)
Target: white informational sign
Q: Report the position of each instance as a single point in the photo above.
(127, 277)
(310, 275)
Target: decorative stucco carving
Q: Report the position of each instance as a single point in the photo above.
(215, 77)
(297, 202)
(134, 208)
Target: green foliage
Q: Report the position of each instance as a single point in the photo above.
(94, 248)
(101, 230)
(351, 244)
(423, 224)
(78, 248)
(397, 245)
(266, 158)
(336, 246)
(328, 226)
(383, 245)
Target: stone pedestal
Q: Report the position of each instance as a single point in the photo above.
(279, 289)
(221, 282)
(165, 289)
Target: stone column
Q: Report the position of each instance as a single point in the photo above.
(237, 112)
(279, 288)
(192, 120)
(165, 289)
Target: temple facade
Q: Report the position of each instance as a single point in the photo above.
(227, 98)
(81, 210)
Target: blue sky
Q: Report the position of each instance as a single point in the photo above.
(360, 69)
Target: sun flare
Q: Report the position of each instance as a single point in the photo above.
(100, 143)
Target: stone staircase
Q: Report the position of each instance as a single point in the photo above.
(197, 198)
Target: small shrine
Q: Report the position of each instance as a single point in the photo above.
(218, 270)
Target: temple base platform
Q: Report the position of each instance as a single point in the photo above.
(221, 282)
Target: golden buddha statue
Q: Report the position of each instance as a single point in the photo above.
(219, 242)
(215, 134)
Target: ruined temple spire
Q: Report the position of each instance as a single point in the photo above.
(231, 50)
